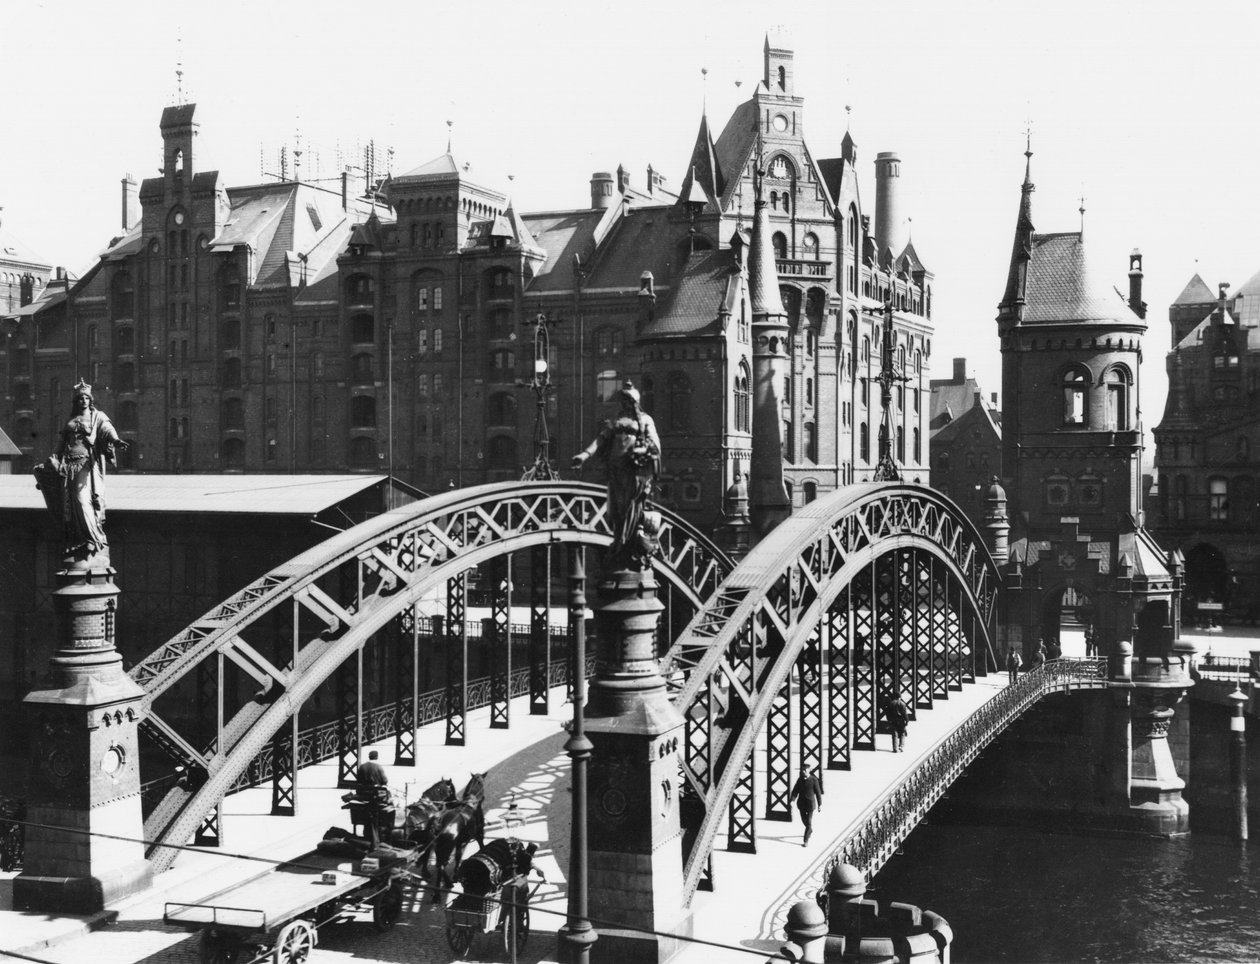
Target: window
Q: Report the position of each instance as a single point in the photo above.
(901, 444)
(128, 418)
(233, 453)
(608, 342)
(422, 387)
(499, 283)
(1218, 499)
(1075, 386)
(503, 365)
(422, 340)
(91, 338)
(679, 402)
(422, 299)
(809, 391)
(363, 411)
(362, 329)
(607, 383)
(1179, 495)
(125, 341)
(233, 413)
(317, 364)
(864, 443)
(741, 398)
(649, 392)
(122, 296)
(809, 491)
(1117, 400)
(501, 322)
(811, 442)
(437, 386)
(780, 245)
(232, 373)
(126, 381)
(229, 288)
(437, 298)
(437, 339)
(359, 290)
(361, 369)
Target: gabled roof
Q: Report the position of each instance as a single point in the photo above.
(1063, 285)
(909, 259)
(562, 235)
(1196, 292)
(948, 431)
(644, 239)
(710, 282)
(443, 165)
(14, 252)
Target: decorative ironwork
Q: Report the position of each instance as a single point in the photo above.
(741, 831)
(500, 642)
(839, 683)
(407, 685)
(539, 630)
(809, 669)
(349, 718)
(456, 659)
(779, 755)
(886, 823)
(284, 771)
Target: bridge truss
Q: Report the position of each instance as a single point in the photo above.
(875, 590)
(309, 620)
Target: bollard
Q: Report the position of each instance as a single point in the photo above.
(806, 932)
(1238, 762)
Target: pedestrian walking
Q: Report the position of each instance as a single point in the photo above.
(1039, 657)
(1091, 640)
(1013, 665)
(808, 794)
(898, 715)
(1054, 650)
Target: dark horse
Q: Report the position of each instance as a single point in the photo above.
(420, 825)
(459, 825)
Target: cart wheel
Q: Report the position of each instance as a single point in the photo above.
(294, 943)
(521, 916)
(460, 938)
(387, 908)
(218, 950)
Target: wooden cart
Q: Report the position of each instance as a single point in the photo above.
(279, 911)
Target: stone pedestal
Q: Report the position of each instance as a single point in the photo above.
(1156, 805)
(84, 762)
(635, 860)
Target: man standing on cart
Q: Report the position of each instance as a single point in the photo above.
(372, 781)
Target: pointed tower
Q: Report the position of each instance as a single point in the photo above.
(771, 360)
(704, 174)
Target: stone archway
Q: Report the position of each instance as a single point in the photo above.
(1066, 612)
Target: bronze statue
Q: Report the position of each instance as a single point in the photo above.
(631, 451)
(73, 479)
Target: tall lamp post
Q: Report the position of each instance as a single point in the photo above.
(886, 469)
(578, 934)
(540, 381)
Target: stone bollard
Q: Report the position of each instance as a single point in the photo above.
(806, 932)
(860, 933)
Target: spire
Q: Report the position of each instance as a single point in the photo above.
(763, 273)
(1013, 299)
(703, 168)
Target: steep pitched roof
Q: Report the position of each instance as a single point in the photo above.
(442, 165)
(909, 259)
(7, 448)
(13, 251)
(703, 170)
(710, 282)
(735, 145)
(562, 234)
(1196, 292)
(643, 240)
(1063, 285)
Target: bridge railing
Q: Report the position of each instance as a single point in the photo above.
(880, 830)
(1226, 668)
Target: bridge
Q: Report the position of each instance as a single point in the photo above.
(782, 661)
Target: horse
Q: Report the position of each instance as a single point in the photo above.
(420, 823)
(456, 828)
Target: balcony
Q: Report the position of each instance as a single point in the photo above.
(790, 268)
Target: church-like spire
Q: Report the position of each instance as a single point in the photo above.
(703, 170)
(763, 273)
(1012, 300)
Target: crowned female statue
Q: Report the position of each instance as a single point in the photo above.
(73, 478)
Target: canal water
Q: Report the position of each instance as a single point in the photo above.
(1017, 895)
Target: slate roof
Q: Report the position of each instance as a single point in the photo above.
(1196, 292)
(954, 398)
(709, 282)
(13, 251)
(643, 240)
(238, 494)
(1064, 286)
(441, 166)
(735, 145)
(950, 430)
(562, 234)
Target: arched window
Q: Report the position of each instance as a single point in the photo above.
(121, 296)
(864, 443)
(362, 330)
(502, 409)
(126, 381)
(232, 373)
(499, 283)
(866, 348)
(503, 365)
(779, 241)
(1118, 400)
(230, 288)
(918, 448)
(1075, 391)
(233, 452)
(608, 342)
(607, 382)
(742, 378)
(782, 78)
(1218, 499)
(363, 452)
(363, 412)
(809, 492)
(230, 334)
(359, 289)
(811, 443)
(901, 444)
(233, 413)
(679, 402)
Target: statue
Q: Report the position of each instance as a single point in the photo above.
(73, 479)
(631, 450)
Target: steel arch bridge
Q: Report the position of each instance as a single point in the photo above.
(873, 590)
(338, 594)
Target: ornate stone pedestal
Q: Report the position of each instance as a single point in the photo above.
(84, 761)
(1155, 801)
(635, 862)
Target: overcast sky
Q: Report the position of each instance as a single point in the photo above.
(1147, 109)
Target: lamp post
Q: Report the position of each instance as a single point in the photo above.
(540, 381)
(1238, 761)
(578, 934)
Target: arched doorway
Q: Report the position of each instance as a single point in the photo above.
(1066, 613)
(1207, 583)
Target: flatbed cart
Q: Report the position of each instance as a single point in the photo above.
(469, 915)
(278, 911)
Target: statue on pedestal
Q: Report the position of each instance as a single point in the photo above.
(73, 478)
(631, 450)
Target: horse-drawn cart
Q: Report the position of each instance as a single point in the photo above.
(506, 911)
(279, 911)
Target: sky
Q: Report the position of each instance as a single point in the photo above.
(1140, 108)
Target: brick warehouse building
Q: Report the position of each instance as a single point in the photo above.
(285, 327)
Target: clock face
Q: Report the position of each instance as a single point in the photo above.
(112, 760)
(179, 217)
(780, 123)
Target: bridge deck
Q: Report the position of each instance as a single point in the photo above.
(527, 764)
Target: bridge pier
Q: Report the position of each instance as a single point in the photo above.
(84, 761)
(635, 858)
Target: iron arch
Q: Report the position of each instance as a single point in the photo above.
(735, 656)
(400, 556)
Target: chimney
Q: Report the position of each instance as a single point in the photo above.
(623, 179)
(601, 190)
(130, 203)
(888, 219)
(345, 190)
(1135, 283)
(960, 370)
(993, 398)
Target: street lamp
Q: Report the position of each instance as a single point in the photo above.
(540, 381)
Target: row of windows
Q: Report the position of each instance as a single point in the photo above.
(1227, 500)
(1115, 415)
(428, 234)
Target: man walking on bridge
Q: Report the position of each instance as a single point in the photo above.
(808, 796)
(1013, 663)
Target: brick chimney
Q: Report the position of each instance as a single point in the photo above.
(130, 203)
(960, 370)
(1135, 284)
